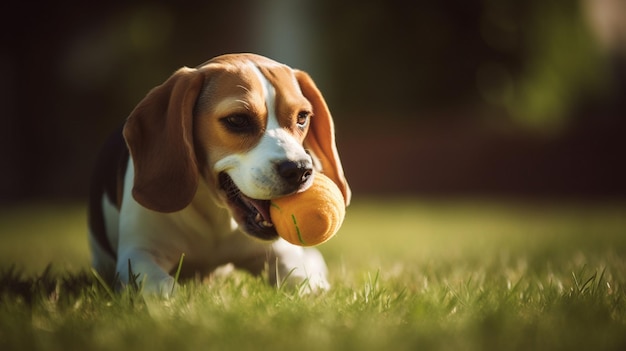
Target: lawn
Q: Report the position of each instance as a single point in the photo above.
(407, 275)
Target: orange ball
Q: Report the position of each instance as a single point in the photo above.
(310, 217)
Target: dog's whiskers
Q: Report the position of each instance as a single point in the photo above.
(233, 191)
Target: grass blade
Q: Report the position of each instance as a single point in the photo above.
(180, 266)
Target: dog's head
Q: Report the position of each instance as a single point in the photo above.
(251, 128)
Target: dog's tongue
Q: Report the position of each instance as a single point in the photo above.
(262, 207)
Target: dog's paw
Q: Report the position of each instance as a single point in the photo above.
(164, 287)
(167, 287)
(303, 284)
(301, 268)
(316, 285)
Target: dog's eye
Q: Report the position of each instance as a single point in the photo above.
(303, 118)
(239, 123)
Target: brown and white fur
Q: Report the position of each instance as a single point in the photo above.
(195, 165)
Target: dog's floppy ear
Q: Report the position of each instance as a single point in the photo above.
(159, 135)
(321, 136)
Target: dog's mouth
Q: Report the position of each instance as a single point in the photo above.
(252, 215)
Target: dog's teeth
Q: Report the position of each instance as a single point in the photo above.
(263, 223)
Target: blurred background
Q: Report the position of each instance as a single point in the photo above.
(502, 98)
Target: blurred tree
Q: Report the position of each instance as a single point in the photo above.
(563, 65)
(534, 60)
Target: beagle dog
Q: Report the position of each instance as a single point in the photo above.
(194, 167)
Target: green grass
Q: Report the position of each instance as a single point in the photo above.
(406, 275)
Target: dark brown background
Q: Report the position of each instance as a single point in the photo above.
(429, 99)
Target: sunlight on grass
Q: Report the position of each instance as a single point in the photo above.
(36, 235)
(406, 275)
(379, 232)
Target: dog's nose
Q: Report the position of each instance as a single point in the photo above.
(294, 173)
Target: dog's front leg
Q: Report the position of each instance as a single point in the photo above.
(146, 252)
